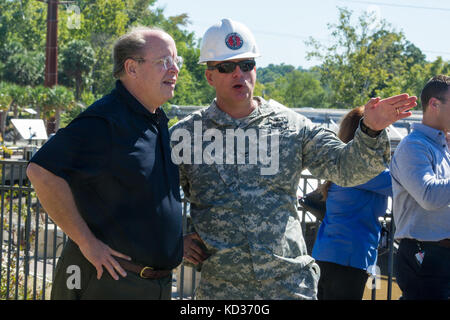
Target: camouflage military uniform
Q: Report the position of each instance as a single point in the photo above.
(249, 221)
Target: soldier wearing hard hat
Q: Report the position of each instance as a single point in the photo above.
(247, 234)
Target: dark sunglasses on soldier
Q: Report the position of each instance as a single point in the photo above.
(230, 66)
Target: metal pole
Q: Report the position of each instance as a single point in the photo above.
(391, 255)
(51, 51)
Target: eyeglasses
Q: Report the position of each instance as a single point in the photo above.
(168, 62)
(230, 66)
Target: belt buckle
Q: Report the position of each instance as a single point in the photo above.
(141, 274)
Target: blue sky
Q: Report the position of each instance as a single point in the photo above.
(281, 26)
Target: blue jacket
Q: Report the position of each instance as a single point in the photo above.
(350, 232)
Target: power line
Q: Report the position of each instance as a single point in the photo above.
(326, 40)
(279, 34)
(437, 52)
(404, 6)
(397, 5)
(305, 37)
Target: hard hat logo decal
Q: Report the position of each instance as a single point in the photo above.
(234, 41)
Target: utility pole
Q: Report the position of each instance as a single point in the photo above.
(51, 49)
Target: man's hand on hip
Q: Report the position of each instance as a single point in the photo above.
(101, 255)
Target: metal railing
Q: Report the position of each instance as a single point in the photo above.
(31, 243)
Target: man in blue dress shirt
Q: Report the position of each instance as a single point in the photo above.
(420, 171)
(108, 181)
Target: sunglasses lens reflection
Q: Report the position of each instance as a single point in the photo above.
(229, 67)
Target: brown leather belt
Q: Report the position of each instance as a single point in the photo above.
(143, 271)
(443, 243)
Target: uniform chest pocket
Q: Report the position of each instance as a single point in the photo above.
(210, 181)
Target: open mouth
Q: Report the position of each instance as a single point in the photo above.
(170, 82)
(238, 86)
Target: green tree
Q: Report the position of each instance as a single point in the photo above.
(15, 98)
(101, 23)
(52, 102)
(364, 61)
(23, 39)
(303, 90)
(23, 22)
(415, 79)
(273, 72)
(298, 89)
(25, 68)
(292, 87)
(77, 62)
(5, 103)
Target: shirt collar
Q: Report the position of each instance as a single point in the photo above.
(432, 133)
(136, 106)
(214, 114)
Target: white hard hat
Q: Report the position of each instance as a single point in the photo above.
(228, 40)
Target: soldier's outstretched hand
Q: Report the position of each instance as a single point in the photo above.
(380, 113)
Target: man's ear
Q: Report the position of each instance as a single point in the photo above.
(434, 103)
(209, 77)
(130, 68)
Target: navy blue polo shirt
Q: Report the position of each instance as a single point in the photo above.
(115, 156)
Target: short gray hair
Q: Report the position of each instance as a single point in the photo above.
(130, 45)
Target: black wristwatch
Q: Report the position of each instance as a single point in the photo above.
(371, 133)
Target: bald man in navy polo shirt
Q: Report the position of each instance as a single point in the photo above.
(108, 181)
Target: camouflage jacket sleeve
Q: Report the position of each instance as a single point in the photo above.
(350, 164)
(184, 182)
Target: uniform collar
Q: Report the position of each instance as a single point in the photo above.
(220, 118)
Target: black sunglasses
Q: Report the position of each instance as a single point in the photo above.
(230, 66)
